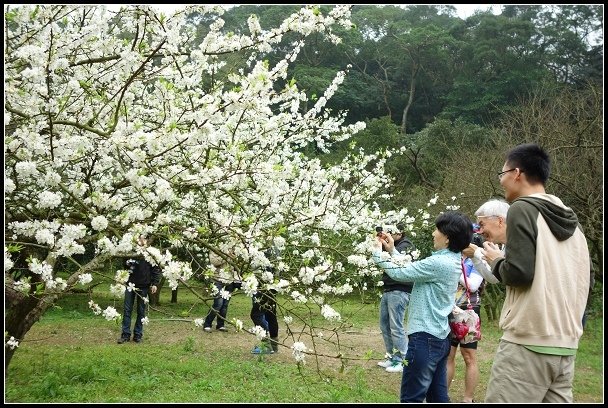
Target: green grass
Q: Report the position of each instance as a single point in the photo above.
(72, 356)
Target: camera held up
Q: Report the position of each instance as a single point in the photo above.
(477, 239)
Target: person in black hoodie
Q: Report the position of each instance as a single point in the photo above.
(143, 276)
(395, 298)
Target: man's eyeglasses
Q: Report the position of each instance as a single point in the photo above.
(506, 171)
(481, 224)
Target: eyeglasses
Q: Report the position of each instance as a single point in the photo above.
(506, 171)
(481, 224)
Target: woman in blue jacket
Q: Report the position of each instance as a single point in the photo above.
(435, 280)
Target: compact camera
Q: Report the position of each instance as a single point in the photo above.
(477, 239)
(390, 229)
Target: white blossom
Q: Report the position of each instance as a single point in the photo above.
(299, 350)
(99, 223)
(329, 313)
(110, 313)
(12, 343)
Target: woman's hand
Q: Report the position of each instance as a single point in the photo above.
(469, 251)
(386, 241)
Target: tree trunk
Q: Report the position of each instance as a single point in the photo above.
(24, 310)
(410, 100)
(174, 296)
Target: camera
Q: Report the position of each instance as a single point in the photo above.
(131, 264)
(477, 239)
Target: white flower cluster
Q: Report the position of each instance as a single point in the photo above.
(259, 332)
(48, 199)
(176, 272)
(12, 343)
(8, 262)
(85, 278)
(267, 276)
(250, 285)
(23, 285)
(117, 290)
(95, 307)
(358, 260)
(238, 324)
(225, 294)
(46, 274)
(99, 223)
(111, 314)
(299, 350)
(298, 297)
(329, 313)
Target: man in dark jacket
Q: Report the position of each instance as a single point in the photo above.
(395, 298)
(142, 275)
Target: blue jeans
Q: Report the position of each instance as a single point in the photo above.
(138, 330)
(220, 307)
(425, 374)
(392, 314)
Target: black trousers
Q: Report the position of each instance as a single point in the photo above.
(264, 311)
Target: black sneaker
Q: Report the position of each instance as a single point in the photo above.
(137, 339)
(123, 340)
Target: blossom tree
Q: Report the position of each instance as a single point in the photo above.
(113, 129)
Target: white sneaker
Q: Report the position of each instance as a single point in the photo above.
(395, 368)
(385, 363)
(207, 329)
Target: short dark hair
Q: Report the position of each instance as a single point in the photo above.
(457, 227)
(532, 160)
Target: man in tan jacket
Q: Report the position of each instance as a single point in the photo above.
(545, 268)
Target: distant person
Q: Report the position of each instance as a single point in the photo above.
(264, 313)
(435, 280)
(144, 276)
(545, 268)
(394, 301)
(225, 283)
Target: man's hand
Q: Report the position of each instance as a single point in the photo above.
(153, 289)
(491, 251)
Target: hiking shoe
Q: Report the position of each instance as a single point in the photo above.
(222, 329)
(137, 339)
(385, 363)
(122, 340)
(207, 329)
(396, 367)
(262, 350)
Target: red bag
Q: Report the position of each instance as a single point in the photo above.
(465, 325)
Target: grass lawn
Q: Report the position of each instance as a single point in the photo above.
(72, 356)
